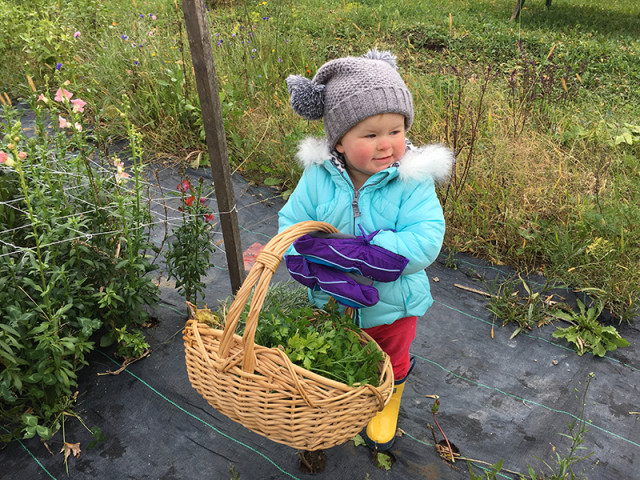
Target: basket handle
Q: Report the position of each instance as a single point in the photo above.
(260, 275)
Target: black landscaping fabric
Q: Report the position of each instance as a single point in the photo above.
(501, 398)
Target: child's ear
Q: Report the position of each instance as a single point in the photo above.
(339, 147)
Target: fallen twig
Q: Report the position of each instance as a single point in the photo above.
(125, 364)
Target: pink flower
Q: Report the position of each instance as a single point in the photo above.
(122, 177)
(78, 105)
(42, 98)
(184, 186)
(76, 35)
(62, 94)
(22, 155)
(63, 123)
(202, 201)
(209, 217)
(5, 160)
(78, 127)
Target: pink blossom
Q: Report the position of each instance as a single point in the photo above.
(22, 155)
(5, 160)
(184, 186)
(78, 105)
(78, 126)
(63, 123)
(76, 35)
(62, 94)
(42, 98)
(122, 177)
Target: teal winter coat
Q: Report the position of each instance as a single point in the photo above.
(400, 201)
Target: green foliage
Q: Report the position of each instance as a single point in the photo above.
(322, 341)
(73, 260)
(586, 333)
(509, 306)
(486, 474)
(189, 255)
(552, 120)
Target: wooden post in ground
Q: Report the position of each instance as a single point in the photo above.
(207, 83)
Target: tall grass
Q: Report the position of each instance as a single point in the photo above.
(533, 108)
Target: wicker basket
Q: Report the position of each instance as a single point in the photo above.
(260, 387)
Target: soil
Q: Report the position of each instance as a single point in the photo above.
(384, 463)
(312, 461)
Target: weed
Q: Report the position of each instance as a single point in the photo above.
(586, 333)
(509, 306)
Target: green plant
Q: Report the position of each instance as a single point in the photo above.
(586, 333)
(486, 474)
(628, 134)
(73, 259)
(508, 306)
(577, 430)
(323, 341)
(189, 256)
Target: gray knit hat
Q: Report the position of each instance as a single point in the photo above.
(347, 90)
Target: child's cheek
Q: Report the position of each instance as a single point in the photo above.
(362, 153)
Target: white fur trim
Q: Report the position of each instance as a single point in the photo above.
(432, 161)
(312, 151)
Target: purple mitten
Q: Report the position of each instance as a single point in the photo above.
(352, 254)
(345, 287)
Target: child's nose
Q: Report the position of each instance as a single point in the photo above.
(384, 143)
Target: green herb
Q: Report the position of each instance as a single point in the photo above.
(325, 342)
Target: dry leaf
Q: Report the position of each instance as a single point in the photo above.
(70, 449)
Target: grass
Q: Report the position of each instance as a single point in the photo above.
(532, 108)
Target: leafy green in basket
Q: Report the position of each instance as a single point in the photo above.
(322, 341)
(325, 342)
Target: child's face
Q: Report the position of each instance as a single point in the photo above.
(372, 146)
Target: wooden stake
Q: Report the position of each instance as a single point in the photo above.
(207, 82)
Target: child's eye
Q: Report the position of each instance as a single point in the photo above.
(371, 135)
(395, 132)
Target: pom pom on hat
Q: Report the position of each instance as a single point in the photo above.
(374, 54)
(307, 97)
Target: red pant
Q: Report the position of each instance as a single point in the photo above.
(395, 340)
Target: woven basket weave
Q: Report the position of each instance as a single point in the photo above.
(260, 387)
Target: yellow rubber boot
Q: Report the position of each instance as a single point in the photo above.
(381, 430)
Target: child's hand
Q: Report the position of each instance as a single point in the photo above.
(352, 254)
(347, 288)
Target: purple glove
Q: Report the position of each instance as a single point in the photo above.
(347, 288)
(352, 254)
